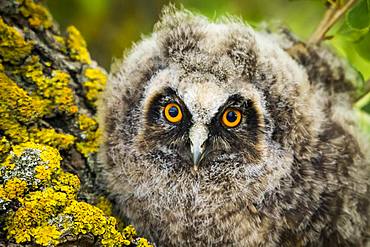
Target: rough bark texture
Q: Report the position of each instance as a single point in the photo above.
(49, 87)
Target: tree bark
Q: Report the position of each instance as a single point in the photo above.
(48, 91)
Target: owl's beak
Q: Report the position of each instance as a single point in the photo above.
(198, 136)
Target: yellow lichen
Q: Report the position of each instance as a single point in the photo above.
(43, 173)
(16, 109)
(49, 208)
(52, 138)
(87, 218)
(55, 89)
(16, 103)
(88, 147)
(77, 46)
(129, 232)
(49, 155)
(4, 146)
(38, 16)
(142, 242)
(3, 194)
(59, 39)
(96, 80)
(59, 43)
(37, 209)
(61, 93)
(66, 182)
(86, 123)
(46, 235)
(15, 131)
(105, 205)
(14, 187)
(13, 46)
(39, 198)
(90, 135)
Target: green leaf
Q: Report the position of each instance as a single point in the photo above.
(366, 108)
(351, 34)
(362, 47)
(357, 21)
(359, 16)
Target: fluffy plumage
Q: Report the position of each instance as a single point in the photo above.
(295, 172)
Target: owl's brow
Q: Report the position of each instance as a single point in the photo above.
(233, 100)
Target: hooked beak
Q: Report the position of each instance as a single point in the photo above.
(198, 135)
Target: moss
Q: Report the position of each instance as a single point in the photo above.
(47, 202)
(13, 46)
(37, 15)
(89, 135)
(77, 46)
(94, 85)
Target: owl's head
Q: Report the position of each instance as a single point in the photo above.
(201, 105)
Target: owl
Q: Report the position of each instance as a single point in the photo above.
(216, 134)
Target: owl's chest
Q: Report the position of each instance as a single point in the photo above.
(194, 225)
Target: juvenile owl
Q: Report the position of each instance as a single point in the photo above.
(218, 135)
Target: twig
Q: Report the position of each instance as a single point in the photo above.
(331, 16)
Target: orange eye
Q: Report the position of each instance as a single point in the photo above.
(172, 113)
(231, 117)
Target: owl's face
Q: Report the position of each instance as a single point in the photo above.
(191, 121)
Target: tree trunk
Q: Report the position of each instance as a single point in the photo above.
(48, 91)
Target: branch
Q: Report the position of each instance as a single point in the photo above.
(49, 87)
(332, 15)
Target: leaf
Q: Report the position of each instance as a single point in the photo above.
(357, 21)
(366, 108)
(359, 16)
(362, 47)
(350, 34)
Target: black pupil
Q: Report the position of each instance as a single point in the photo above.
(231, 116)
(173, 111)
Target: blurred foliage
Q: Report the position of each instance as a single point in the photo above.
(111, 26)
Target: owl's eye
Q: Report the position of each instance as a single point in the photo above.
(231, 117)
(172, 113)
